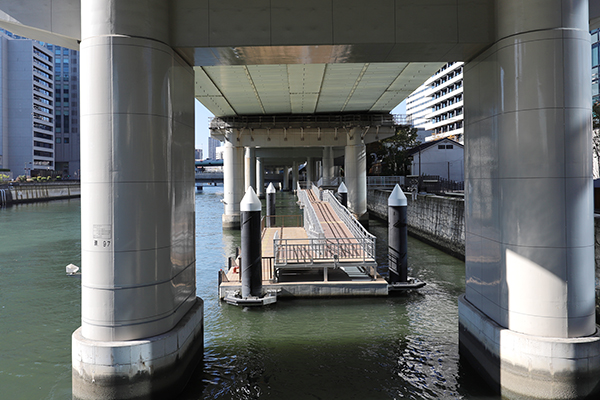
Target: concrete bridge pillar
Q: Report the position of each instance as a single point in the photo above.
(355, 173)
(260, 178)
(233, 184)
(141, 322)
(249, 169)
(328, 165)
(286, 178)
(294, 175)
(309, 171)
(527, 318)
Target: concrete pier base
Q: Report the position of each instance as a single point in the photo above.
(527, 366)
(231, 221)
(135, 369)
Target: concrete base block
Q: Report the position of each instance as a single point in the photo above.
(525, 366)
(148, 368)
(231, 221)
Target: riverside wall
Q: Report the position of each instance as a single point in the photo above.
(34, 192)
(436, 220)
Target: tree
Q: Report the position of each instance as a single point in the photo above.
(391, 153)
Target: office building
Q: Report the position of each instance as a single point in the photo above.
(66, 107)
(212, 148)
(26, 106)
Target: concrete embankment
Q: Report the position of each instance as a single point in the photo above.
(34, 192)
(436, 220)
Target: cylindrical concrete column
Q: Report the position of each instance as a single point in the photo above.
(137, 187)
(249, 168)
(397, 236)
(327, 165)
(271, 196)
(355, 173)
(233, 184)
(260, 178)
(295, 176)
(286, 178)
(309, 171)
(528, 167)
(138, 282)
(251, 251)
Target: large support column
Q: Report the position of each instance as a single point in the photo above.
(249, 169)
(233, 184)
(527, 317)
(355, 173)
(295, 176)
(327, 165)
(309, 171)
(141, 320)
(286, 178)
(260, 178)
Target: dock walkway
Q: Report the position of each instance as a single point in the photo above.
(330, 255)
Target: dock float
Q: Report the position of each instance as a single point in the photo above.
(325, 252)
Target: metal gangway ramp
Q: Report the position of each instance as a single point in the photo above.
(331, 239)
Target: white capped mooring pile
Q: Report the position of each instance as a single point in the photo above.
(251, 256)
(398, 244)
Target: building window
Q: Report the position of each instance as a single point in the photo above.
(66, 140)
(57, 140)
(449, 146)
(441, 146)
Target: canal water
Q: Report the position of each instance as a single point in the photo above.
(362, 348)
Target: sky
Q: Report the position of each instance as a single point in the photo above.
(203, 116)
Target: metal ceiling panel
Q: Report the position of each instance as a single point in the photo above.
(272, 88)
(308, 88)
(337, 86)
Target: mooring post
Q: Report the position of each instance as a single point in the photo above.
(343, 192)
(251, 270)
(397, 236)
(271, 212)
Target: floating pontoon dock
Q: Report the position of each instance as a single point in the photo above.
(324, 252)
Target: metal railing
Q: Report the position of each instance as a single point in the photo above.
(347, 218)
(315, 189)
(312, 226)
(334, 250)
(385, 180)
(309, 120)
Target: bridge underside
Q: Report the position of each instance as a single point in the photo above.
(528, 311)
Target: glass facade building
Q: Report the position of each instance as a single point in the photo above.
(66, 108)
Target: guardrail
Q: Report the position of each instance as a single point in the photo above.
(308, 251)
(318, 194)
(312, 226)
(385, 180)
(344, 214)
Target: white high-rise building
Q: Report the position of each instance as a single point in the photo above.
(26, 106)
(437, 105)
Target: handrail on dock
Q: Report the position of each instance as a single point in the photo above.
(344, 214)
(334, 250)
(316, 191)
(311, 221)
